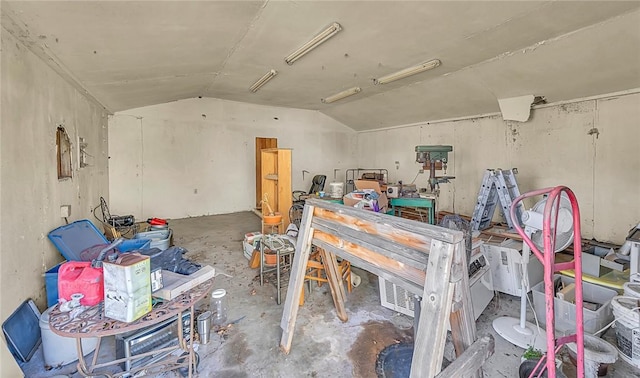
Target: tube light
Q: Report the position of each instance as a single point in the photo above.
(313, 43)
(263, 80)
(408, 72)
(341, 95)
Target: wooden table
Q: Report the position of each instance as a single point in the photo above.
(92, 323)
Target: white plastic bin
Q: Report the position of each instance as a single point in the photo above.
(159, 239)
(59, 350)
(565, 312)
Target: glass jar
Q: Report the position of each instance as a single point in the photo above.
(219, 307)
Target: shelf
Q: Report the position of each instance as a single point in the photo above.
(276, 182)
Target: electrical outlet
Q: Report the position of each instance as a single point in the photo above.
(65, 211)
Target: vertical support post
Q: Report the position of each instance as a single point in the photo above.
(436, 307)
(335, 283)
(296, 279)
(462, 320)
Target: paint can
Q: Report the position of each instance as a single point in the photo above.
(631, 289)
(627, 313)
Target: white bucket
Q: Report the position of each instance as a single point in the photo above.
(631, 289)
(626, 310)
(336, 189)
(596, 352)
(59, 350)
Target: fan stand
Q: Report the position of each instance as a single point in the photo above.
(518, 331)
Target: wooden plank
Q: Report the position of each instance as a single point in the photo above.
(331, 266)
(261, 143)
(380, 262)
(462, 320)
(401, 253)
(436, 307)
(399, 229)
(411, 287)
(468, 364)
(296, 280)
(285, 196)
(335, 283)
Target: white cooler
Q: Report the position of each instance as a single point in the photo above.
(59, 350)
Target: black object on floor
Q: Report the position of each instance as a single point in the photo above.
(394, 361)
(171, 259)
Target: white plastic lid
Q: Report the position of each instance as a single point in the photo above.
(218, 293)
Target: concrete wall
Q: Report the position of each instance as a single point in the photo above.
(197, 157)
(35, 100)
(590, 146)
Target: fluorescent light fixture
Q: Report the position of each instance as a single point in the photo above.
(426, 66)
(341, 95)
(263, 80)
(329, 32)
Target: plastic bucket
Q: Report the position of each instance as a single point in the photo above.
(631, 289)
(80, 277)
(59, 350)
(626, 311)
(159, 238)
(598, 354)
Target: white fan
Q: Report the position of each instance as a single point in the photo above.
(518, 331)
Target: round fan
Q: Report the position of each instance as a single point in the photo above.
(518, 331)
(563, 227)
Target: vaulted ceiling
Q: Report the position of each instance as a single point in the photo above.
(129, 54)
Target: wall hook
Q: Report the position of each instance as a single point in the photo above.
(303, 172)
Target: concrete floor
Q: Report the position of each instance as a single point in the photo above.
(323, 346)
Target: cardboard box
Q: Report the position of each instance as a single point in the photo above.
(127, 287)
(351, 199)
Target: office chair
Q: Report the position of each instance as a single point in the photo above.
(317, 185)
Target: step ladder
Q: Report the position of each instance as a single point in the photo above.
(498, 186)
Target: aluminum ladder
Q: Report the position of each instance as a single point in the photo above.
(497, 186)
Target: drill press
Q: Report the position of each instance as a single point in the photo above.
(434, 158)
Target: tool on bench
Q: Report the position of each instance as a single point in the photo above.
(157, 221)
(434, 158)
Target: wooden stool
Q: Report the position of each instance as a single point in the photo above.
(316, 272)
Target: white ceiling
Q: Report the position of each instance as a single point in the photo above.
(133, 54)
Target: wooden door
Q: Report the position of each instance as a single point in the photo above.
(262, 143)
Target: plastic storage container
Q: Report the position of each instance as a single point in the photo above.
(80, 277)
(159, 239)
(565, 312)
(71, 240)
(59, 350)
